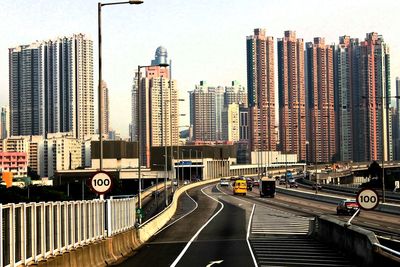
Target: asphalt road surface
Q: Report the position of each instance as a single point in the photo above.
(209, 229)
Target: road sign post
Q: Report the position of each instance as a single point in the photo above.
(101, 183)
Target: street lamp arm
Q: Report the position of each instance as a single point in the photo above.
(132, 2)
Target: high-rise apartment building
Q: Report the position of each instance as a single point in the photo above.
(106, 108)
(345, 84)
(59, 153)
(209, 108)
(261, 90)
(396, 124)
(159, 107)
(51, 87)
(133, 129)
(219, 109)
(371, 101)
(292, 101)
(203, 112)
(230, 120)
(236, 93)
(4, 123)
(320, 94)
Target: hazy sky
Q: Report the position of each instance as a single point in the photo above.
(205, 39)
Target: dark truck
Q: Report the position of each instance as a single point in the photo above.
(267, 187)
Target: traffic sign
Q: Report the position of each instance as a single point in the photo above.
(367, 199)
(101, 183)
(139, 212)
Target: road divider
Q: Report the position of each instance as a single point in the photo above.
(386, 207)
(153, 225)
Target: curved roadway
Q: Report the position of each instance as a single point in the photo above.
(214, 228)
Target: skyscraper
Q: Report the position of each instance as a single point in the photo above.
(106, 108)
(51, 87)
(236, 93)
(27, 99)
(203, 112)
(344, 88)
(320, 94)
(396, 124)
(371, 101)
(4, 123)
(292, 101)
(159, 107)
(211, 113)
(219, 109)
(261, 90)
(230, 123)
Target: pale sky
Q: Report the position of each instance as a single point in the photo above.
(205, 39)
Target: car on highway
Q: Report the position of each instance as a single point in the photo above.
(256, 182)
(347, 207)
(282, 180)
(240, 187)
(249, 183)
(292, 183)
(317, 185)
(224, 182)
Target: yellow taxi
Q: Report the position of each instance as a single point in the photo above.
(240, 187)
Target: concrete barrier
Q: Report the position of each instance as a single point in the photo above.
(358, 243)
(389, 208)
(153, 225)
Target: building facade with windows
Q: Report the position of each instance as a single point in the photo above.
(51, 87)
(159, 118)
(292, 100)
(261, 90)
(320, 94)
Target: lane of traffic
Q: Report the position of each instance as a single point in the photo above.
(224, 238)
(165, 247)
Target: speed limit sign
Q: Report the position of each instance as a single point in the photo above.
(101, 183)
(367, 199)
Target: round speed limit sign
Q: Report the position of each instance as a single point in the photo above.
(367, 199)
(101, 183)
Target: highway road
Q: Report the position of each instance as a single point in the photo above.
(383, 224)
(214, 228)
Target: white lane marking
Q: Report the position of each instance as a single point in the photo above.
(248, 234)
(165, 227)
(214, 262)
(199, 231)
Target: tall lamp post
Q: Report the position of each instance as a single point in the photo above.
(139, 143)
(99, 5)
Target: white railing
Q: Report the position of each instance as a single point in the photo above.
(30, 232)
(120, 215)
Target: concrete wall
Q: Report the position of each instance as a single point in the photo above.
(352, 240)
(358, 243)
(150, 227)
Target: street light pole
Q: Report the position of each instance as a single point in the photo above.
(99, 88)
(100, 103)
(164, 134)
(139, 144)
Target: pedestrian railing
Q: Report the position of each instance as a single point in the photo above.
(30, 232)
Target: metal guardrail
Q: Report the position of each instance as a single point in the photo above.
(30, 232)
(388, 250)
